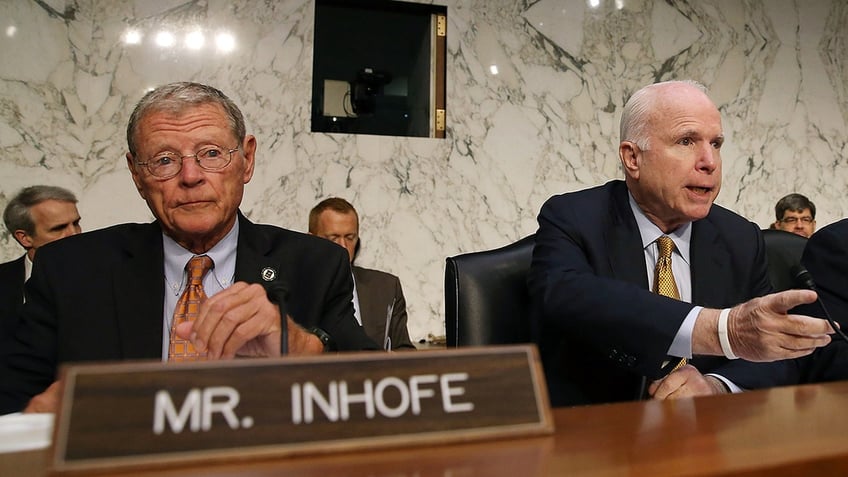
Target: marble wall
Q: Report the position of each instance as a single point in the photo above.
(547, 122)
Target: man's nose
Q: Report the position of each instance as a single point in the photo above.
(709, 159)
(190, 171)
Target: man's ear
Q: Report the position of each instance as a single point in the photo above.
(23, 238)
(249, 151)
(630, 155)
(135, 175)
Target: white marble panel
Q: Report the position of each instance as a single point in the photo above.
(545, 123)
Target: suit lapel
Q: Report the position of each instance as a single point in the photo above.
(254, 263)
(708, 253)
(12, 277)
(19, 280)
(627, 258)
(138, 283)
(250, 253)
(373, 319)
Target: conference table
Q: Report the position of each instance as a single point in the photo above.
(798, 431)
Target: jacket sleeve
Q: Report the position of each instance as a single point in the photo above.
(338, 318)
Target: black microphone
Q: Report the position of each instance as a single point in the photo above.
(642, 391)
(278, 294)
(804, 279)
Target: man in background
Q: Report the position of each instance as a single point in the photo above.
(37, 215)
(377, 296)
(644, 287)
(202, 282)
(795, 213)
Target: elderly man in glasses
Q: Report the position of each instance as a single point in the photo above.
(134, 288)
(797, 214)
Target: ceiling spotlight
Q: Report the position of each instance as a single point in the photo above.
(225, 42)
(195, 40)
(132, 37)
(165, 39)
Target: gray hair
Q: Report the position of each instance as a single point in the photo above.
(637, 112)
(176, 98)
(17, 215)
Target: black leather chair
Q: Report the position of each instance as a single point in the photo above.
(784, 250)
(486, 297)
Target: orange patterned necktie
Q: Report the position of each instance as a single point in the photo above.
(663, 278)
(187, 308)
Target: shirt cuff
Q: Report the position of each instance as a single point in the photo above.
(731, 386)
(681, 346)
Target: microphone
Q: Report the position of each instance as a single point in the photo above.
(278, 294)
(804, 279)
(642, 391)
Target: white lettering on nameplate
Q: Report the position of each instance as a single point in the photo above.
(197, 410)
(335, 403)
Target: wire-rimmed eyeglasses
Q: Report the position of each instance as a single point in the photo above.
(168, 164)
(792, 220)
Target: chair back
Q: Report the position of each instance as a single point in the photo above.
(486, 297)
(784, 250)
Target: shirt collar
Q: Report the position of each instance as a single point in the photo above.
(681, 236)
(223, 255)
(27, 267)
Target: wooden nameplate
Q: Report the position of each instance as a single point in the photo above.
(151, 413)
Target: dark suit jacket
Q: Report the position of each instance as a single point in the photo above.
(598, 327)
(377, 291)
(99, 296)
(11, 295)
(826, 258)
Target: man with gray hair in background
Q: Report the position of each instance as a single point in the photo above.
(35, 216)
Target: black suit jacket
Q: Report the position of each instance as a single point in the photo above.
(99, 296)
(11, 295)
(377, 291)
(598, 326)
(826, 258)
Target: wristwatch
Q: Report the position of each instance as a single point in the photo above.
(322, 335)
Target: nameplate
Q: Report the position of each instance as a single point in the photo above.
(150, 414)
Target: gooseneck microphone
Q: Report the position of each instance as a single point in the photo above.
(278, 294)
(804, 279)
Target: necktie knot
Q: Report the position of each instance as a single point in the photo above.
(663, 277)
(197, 268)
(666, 246)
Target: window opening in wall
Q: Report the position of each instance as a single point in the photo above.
(379, 68)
